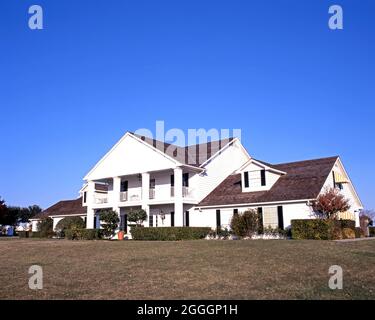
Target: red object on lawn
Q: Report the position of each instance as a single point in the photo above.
(121, 235)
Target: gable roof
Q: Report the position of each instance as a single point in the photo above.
(194, 155)
(303, 180)
(63, 208)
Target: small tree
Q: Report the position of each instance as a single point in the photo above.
(69, 223)
(245, 224)
(137, 216)
(45, 227)
(111, 221)
(329, 204)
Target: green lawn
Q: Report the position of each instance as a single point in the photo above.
(201, 269)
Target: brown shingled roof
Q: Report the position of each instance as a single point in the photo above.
(194, 155)
(303, 180)
(63, 208)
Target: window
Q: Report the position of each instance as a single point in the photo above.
(186, 218)
(124, 186)
(246, 177)
(263, 177)
(235, 211)
(270, 217)
(185, 179)
(151, 220)
(218, 220)
(172, 219)
(152, 183)
(84, 197)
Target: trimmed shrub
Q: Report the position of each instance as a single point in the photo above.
(110, 223)
(45, 227)
(245, 224)
(23, 234)
(322, 229)
(345, 224)
(371, 231)
(348, 233)
(359, 233)
(169, 233)
(69, 223)
(316, 229)
(35, 234)
(83, 234)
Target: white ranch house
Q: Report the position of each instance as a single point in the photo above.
(201, 185)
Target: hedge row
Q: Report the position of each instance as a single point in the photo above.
(319, 229)
(169, 234)
(34, 234)
(83, 234)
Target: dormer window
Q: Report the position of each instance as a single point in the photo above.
(263, 177)
(246, 177)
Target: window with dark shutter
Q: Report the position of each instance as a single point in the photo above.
(218, 220)
(280, 216)
(186, 218)
(151, 220)
(124, 186)
(260, 217)
(246, 177)
(263, 177)
(185, 179)
(172, 219)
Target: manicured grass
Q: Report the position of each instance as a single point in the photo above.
(199, 269)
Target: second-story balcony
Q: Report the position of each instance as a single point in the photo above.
(131, 195)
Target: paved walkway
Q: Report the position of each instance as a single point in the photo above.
(356, 239)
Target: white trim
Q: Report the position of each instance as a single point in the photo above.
(253, 204)
(268, 168)
(222, 149)
(128, 134)
(347, 176)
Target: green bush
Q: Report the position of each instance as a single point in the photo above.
(35, 234)
(23, 234)
(69, 223)
(345, 224)
(371, 231)
(359, 233)
(169, 233)
(45, 227)
(245, 224)
(317, 229)
(83, 234)
(322, 229)
(110, 223)
(348, 233)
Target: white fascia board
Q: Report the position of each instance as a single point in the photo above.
(223, 148)
(347, 176)
(268, 168)
(251, 204)
(128, 134)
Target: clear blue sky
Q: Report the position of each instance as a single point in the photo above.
(297, 89)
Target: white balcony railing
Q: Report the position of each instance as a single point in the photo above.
(131, 195)
(123, 196)
(152, 194)
(100, 198)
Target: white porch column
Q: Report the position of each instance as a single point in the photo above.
(90, 202)
(146, 195)
(178, 203)
(116, 190)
